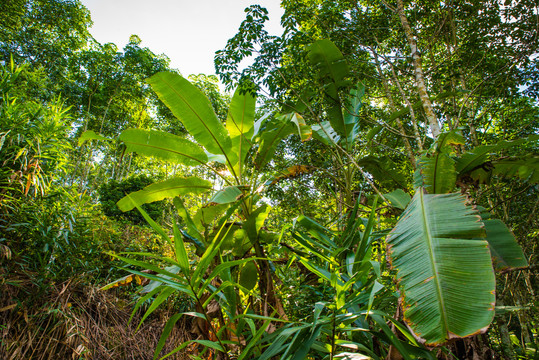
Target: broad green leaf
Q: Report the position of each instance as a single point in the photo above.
(90, 135)
(398, 198)
(165, 189)
(227, 195)
(446, 139)
(526, 168)
(275, 130)
(304, 131)
(351, 119)
(325, 133)
(445, 273)
(475, 158)
(332, 72)
(249, 275)
(163, 146)
(438, 173)
(241, 243)
(240, 126)
(384, 170)
(193, 109)
(206, 215)
(255, 221)
(505, 251)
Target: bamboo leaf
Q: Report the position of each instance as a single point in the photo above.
(181, 254)
(166, 332)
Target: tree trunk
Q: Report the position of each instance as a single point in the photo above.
(420, 78)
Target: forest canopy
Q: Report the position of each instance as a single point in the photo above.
(363, 186)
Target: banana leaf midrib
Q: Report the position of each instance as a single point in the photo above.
(424, 217)
(176, 187)
(164, 149)
(165, 81)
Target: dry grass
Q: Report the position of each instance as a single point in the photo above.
(73, 321)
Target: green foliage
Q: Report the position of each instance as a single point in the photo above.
(444, 269)
(111, 192)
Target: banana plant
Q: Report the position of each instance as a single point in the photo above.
(444, 250)
(230, 225)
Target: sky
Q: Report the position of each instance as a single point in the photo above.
(187, 31)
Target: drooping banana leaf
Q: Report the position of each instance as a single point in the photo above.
(445, 273)
(226, 195)
(325, 133)
(398, 198)
(165, 189)
(351, 119)
(479, 155)
(333, 72)
(305, 132)
(163, 146)
(275, 130)
(526, 168)
(193, 109)
(240, 126)
(506, 252)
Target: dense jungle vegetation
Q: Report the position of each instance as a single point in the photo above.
(365, 188)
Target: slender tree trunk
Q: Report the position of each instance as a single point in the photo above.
(419, 76)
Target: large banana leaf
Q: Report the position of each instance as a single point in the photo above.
(351, 120)
(275, 130)
(333, 72)
(526, 168)
(165, 189)
(505, 250)
(240, 126)
(479, 155)
(194, 110)
(163, 146)
(444, 268)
